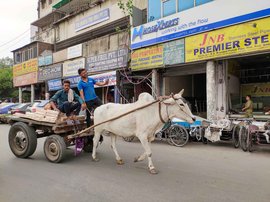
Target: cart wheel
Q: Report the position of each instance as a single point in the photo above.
(54, 148)
(88, 144)
(252, 138)
(235, 136)
(178, 135)
(22, 140)
(129, 139)
(244, 138)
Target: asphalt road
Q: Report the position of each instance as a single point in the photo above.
(195, 173)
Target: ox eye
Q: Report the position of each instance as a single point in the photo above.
(182, 105)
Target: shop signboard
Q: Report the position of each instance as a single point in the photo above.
(74, 51)
(239, 39)
(197, 20)
(45, 60)
(55, 84)
(49, 72)
(147, 58)
(25, 67)
(174, 52)
(107, 61)
(24, 80)
(111, 76)
(92, 19)
(70, 68)
(98, 77)
(256, 89)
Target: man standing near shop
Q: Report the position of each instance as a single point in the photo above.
(248, 108)
(88, 94)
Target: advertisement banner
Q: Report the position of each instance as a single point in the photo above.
(147, 58)
(92, 19)
(74, 80)
(49, 72)
(70, 68)
(256, 89)
(74, 51)
(24, 80)
(25, 67)
(55, 84)
(239, 39)
(210, 16)
(174, 52)
(107, 61)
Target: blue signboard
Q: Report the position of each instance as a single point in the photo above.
(55, 84)
(92, 19)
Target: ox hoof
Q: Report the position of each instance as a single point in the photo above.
(153, 171)
(95, 160)
(120, 162)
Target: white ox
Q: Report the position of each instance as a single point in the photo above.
(143, 123)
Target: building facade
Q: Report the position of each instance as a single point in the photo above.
(217, 50)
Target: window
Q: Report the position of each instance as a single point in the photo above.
(26, 55)
(169, 7)
(18, 58)
(154, 10)
(200, 2)
(35, 52)
(185, 4)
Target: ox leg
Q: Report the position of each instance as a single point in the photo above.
(147, 148)
(119, 161)
(95, 144)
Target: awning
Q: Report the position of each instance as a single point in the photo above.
(60, 4)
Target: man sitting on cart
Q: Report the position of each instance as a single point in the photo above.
(66, 100)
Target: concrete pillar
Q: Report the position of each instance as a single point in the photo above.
(20, 94)
(155, 83)
(32, 93)
(211, 90)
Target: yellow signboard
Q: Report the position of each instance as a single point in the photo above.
(25, 67)
(256, 90)
(238, 39)
(147, 58)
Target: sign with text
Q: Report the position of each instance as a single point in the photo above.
(174, 52)
(74, 51)
(102, 77)
(49, 72)
(107, 61)
(55, 84)
(45, 60)
(70, 68)
(239, 39)
(92, 19)
(147, 58)
(25, 67)
(197, 20)
(24, 80)
(256, 89)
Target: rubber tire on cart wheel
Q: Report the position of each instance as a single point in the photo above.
(236, 136)
(54, 148)
(244, 138)
(22, 140)
(178, 135)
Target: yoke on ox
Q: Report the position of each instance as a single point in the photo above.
(143, 123)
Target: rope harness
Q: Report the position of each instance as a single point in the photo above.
(160, 101)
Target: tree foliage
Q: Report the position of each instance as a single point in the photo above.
(6, 62)
(126, 6)
(6, 83)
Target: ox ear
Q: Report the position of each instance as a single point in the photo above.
(181, 92)
(169, 101)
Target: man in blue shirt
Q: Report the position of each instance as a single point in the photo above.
(67, 100)
(88, 94)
